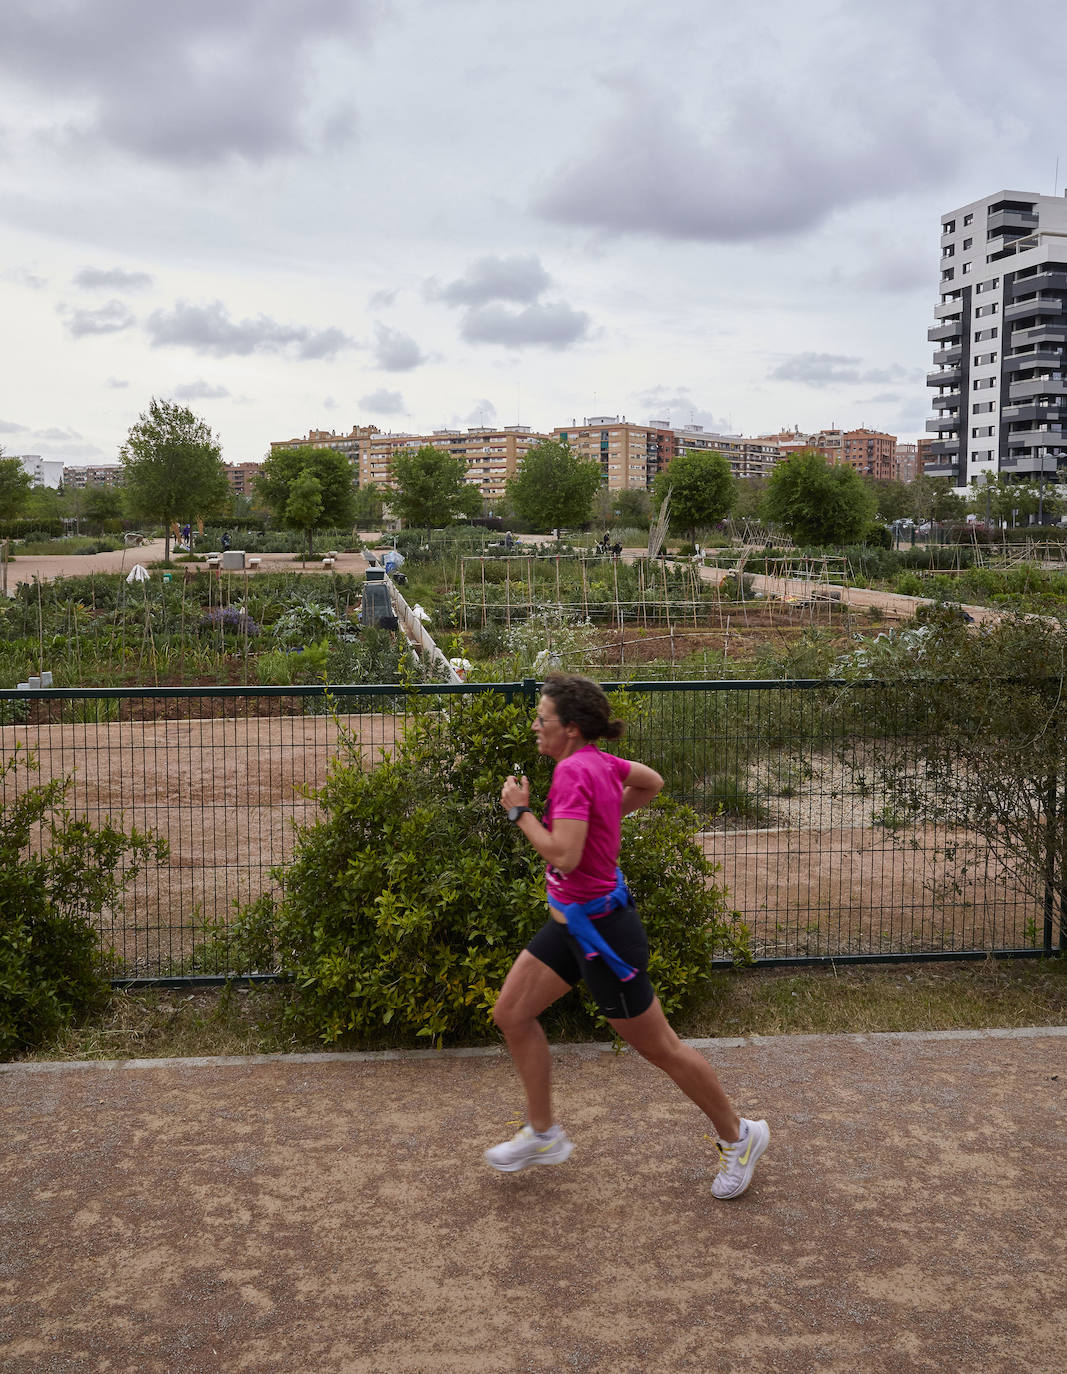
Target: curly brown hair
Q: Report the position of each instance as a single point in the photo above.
(581, 701)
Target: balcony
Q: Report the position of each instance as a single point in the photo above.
(949, 376)
(1043, 463)
(944, 424)
(1035, 410)
(1037, 386)
(1040, 357)
(940, 332)
(948, 310)
(944, 448)
(1037, 438)
(949, 401)
(1038, 334)
(1036, 305)
(1048, 280)
(953, 354)
(1011, 221)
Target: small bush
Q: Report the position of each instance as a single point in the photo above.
(406, 904)
(51, 967)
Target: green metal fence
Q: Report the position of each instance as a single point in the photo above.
(813, 797)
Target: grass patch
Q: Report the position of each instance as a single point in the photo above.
(166, 1022)
(886, 997)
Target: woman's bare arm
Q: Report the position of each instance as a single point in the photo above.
(642, 784)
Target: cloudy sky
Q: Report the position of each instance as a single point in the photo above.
(424, 213)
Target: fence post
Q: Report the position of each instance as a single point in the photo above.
(1050, 866)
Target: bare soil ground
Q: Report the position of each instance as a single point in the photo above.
(228, 795)
(336, 1217)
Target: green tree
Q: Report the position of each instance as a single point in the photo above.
(333, 472)
(702, 489)
(431, 488)
(893, 498)
(553, 487)
(933, 498)
(44, 503)
(369, 500)
(748, 497)
(173, 467)
(15, 487)
(304, 507)
(101, 502)
(816, 502)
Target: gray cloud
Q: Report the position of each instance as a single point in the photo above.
(395, 352)
(200, 391)
(56, 435)
(677, 406)
(22, 276)
(383, 403)
(519, 279)
(484, 412)
(208, 329)
(833, 369)
(11, 427)
(549, 326)
(378, 300)
(743, 168)
(192, 83)
(111, 279)
(111, 318)
(117, 383)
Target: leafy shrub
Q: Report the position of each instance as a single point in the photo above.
(406, 904)
(233, 620)
(51, 967)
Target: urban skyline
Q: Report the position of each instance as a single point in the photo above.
(537, 222)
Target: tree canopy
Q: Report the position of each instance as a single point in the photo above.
(174, 468)
(431, 487)
(283, 470)
(816, 502)
(304, 507)
(15, 487)
(702, 489)
(554, 487)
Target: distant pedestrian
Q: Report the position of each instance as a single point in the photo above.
(594, 935)
(225, 542)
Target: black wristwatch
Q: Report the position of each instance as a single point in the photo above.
(514, 812)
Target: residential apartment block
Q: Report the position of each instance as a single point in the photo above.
(100, 475)
(492, 454)
(45, 472)
(1000, 334)
(327, 438)
(242, 476)
(629, 455)
(870, 451)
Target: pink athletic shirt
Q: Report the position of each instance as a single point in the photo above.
(587, 786)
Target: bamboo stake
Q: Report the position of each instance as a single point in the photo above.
(40, 628)
(585, 593)
(483, 593)
(463, 591)
(667, 606)
(507, 593)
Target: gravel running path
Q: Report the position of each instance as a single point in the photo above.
(334, 1216)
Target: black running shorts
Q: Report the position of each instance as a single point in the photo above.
(555, 946)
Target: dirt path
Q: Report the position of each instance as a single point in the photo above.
(336, 1217)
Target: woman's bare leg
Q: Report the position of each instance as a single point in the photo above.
(528, 989)
(652, 1037)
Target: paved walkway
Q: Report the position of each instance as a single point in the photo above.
(331, 1215)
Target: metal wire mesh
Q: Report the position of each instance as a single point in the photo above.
(806, 795)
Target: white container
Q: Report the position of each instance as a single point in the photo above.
(34, 683)
(23, 687)
(46, 679)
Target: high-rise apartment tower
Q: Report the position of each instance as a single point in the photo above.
(1001, 336)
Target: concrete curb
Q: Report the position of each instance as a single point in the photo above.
(588, 1049)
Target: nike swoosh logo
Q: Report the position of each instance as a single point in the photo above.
(743, 1159)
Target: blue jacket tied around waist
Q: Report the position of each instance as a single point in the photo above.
(583, 928)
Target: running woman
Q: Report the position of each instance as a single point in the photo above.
(594, 933)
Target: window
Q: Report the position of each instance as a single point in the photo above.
(967, 219)
(986, 310)
(966, 269)
(989, 285)
(948, 251)
(949, 227)
(967, 243)
(948, 274)
(982, 408)
(983, 383)
(984, 359)
(982, 432)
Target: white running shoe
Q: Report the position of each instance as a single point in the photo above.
(737, 1162)
(527, 1147)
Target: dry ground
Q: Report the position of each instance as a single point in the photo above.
(335, 1217)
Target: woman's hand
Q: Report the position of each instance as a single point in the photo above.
(515, 792)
